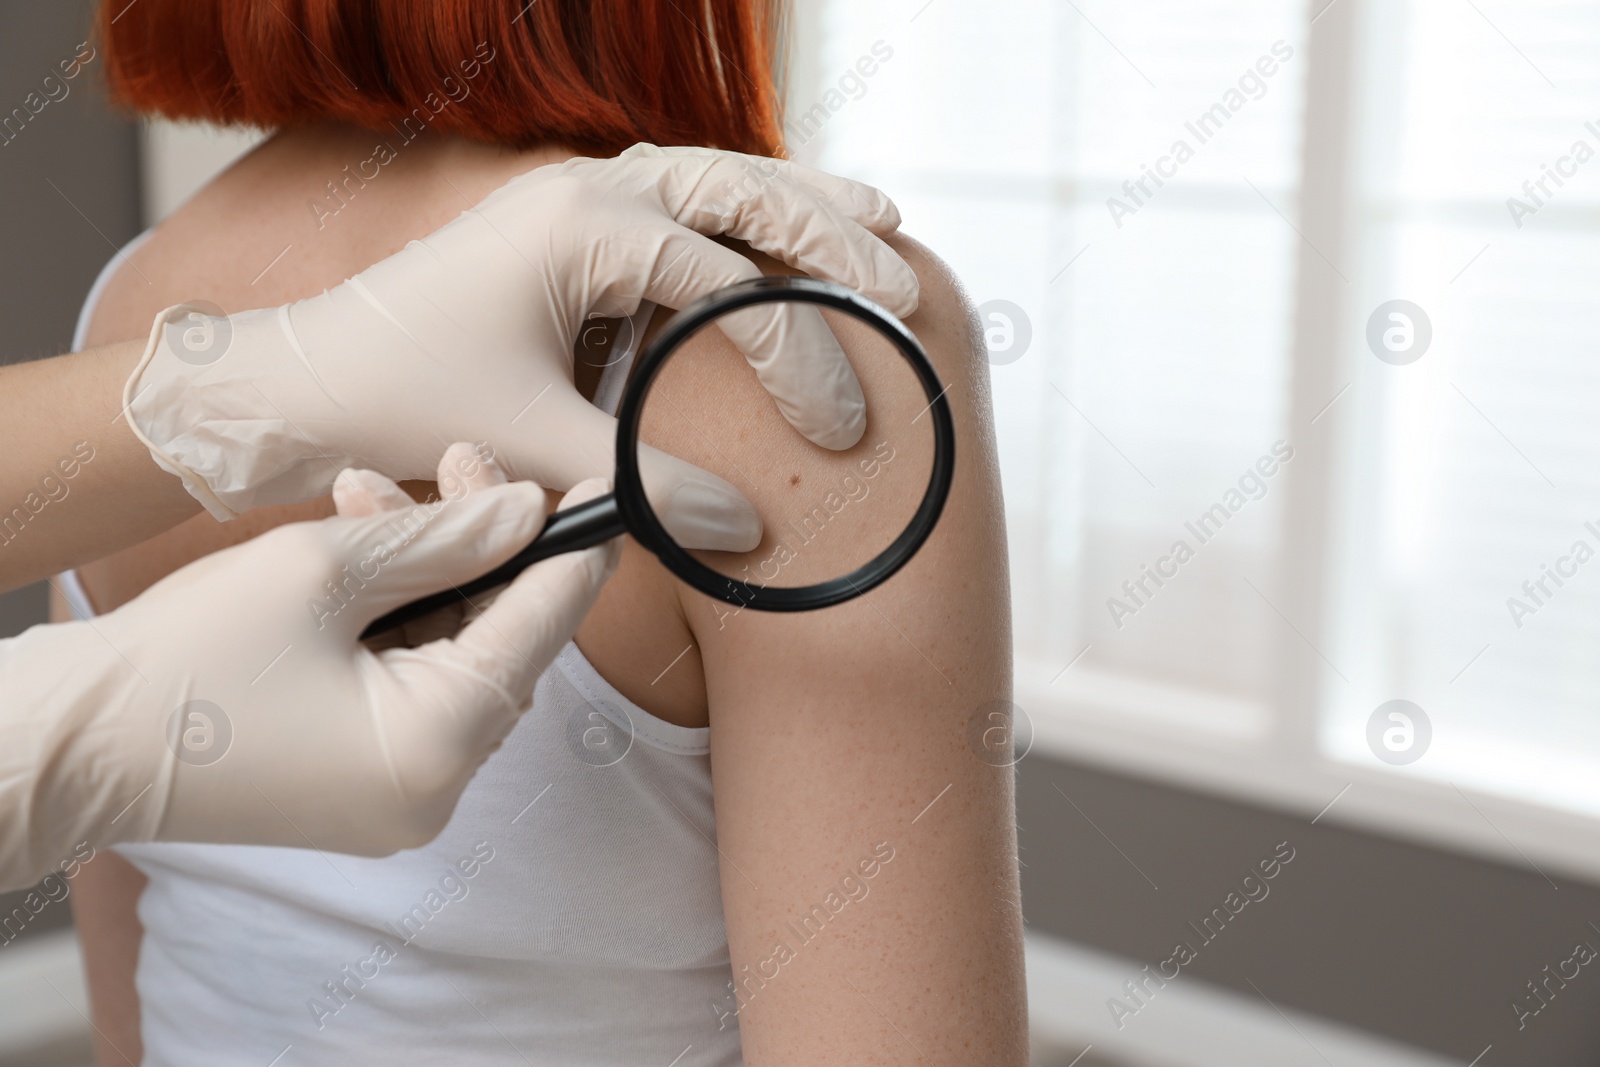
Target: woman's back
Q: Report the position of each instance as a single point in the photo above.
(522, 912)
(289, 220)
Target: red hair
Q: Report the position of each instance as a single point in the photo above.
(596, 75)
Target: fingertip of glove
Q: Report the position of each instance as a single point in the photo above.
(904, 291)
(465, 468)
(359, 492)
(585, 491)
(890, 280)
(885, 218)
(347, 481)
(843, 434)
(526, 496)
(708, 513)
(508, 516)
(518, 505)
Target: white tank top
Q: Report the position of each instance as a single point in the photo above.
(569, 914)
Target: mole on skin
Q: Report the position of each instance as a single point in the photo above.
(794, 479)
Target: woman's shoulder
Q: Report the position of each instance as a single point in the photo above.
(296, 215)
(649, 634)
(944, 298)
(216, 247)
(946, 321)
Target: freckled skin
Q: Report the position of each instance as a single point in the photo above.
(836, 731)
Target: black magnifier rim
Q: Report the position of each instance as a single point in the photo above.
(647, 529)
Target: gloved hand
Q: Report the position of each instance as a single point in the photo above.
(233, 700)
(468, 335)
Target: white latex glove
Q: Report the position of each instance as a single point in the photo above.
(468, 335)
(234, 702)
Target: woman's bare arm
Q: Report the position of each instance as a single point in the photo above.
(105, 900)
(869, 855)
(76, 484)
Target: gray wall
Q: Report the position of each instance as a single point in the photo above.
(69, 193)
(69, 190)
(1424, 946)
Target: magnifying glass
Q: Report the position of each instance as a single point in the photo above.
(827, 539)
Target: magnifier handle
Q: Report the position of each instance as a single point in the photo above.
(584, 526)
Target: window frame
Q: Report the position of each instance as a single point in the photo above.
(1269, 754)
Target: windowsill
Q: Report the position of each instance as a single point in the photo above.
(1143, 706)
(1226, 748)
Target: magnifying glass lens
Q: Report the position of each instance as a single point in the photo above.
(825, 514)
